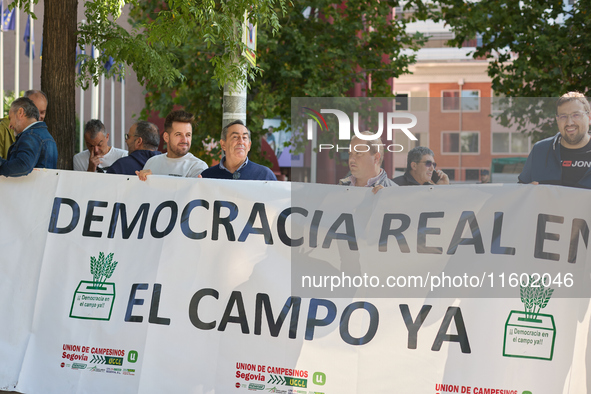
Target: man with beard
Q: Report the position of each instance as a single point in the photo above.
(564, 159)
(178, 161)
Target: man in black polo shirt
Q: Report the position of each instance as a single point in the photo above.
(564, 159)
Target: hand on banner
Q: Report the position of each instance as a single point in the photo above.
(143, 174)
(376, 189)
(94, 161)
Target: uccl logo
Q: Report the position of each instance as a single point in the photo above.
(344, 131)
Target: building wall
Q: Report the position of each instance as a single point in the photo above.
(449, 121)
(438, 69)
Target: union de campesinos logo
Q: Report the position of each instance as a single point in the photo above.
(94, 299)
(390, 119)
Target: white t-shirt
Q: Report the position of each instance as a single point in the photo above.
(81, 159)
(187, 166)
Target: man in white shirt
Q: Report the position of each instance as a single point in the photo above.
(178, 161)
(99, 156)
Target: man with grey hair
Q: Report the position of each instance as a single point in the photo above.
(7, 137)
(235, 142)
(564, 159)
(365, 164)
(40, 100)
(34, 146)
(421, 169)
(142, 144)
(99, 155)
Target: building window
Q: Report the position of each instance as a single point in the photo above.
(517, 143)
(402, 102)
(408, 144)
(470, 142)
(472, 175)
(451, 100)
(451, 173)
(500, 103)
(473, 42)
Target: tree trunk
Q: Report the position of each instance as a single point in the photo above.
(58, 75)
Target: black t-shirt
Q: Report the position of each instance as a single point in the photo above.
(575, 163)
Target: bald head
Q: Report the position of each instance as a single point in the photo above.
(40, 100)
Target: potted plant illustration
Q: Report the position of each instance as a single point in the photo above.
(94, 299)
(529, 333)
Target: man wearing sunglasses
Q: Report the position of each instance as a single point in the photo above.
(421, 169)
(142, 143)
(564, 159)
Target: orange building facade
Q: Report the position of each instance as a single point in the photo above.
(455, 107)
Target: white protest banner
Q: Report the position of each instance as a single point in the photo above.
(208, 286)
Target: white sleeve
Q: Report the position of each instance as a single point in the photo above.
(149, 164)
(197, 169)
(79, 163)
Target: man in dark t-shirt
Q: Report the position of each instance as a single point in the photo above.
(575, 163)
(564, 159)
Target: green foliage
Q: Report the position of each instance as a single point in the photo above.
(150, 62)
(101, 269)
(9, 98)
(321, 50)
(535, 297)
(147, 48)
(535, 48)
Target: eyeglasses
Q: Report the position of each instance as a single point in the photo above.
(428, 163)
(127, 136)
(576, 116)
